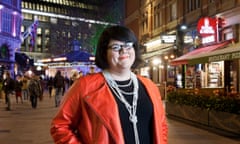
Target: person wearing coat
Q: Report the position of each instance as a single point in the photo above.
(114, 106)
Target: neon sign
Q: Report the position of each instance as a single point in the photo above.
(207, 29)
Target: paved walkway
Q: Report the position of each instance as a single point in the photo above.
(24, 125)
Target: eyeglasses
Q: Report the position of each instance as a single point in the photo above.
(118, 47)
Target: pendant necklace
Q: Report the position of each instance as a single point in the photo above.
(119, 94)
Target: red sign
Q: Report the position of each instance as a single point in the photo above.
(206, 26)
(207, 29)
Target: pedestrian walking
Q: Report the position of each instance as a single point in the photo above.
(18, 89)
(59, 87)
(8, 87)
(35, 90)
(25, 81)
(74, 75)
(50, 86)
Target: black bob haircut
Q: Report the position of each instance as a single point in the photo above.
(119, 33)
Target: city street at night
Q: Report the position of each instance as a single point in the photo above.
(24, 125)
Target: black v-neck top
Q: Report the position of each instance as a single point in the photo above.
(144, 115)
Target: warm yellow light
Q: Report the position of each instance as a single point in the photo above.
(60, 59)
(44, 60)
(172, 56)
(156, 61)
(153, 43)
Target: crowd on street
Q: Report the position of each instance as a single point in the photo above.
(31, 87)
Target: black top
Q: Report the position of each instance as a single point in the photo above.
(144, 115)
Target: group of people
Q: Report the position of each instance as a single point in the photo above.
(23, 87)
(115, 105)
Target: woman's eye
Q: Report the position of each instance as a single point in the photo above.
(116, 47)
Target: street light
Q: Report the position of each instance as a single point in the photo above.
(183, 27)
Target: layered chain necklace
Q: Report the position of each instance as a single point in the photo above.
(119, 94)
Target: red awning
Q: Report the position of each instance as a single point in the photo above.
(184, 59)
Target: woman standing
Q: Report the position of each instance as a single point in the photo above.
(115, 105)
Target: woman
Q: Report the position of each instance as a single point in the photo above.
(115, 105)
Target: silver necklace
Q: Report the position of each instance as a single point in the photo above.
(126, 85)
(130, 108)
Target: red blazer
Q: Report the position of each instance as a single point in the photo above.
(89, 114)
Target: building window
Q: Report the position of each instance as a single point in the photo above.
(157, 16)
(79, 36)
(7, 1)
(27, 16)
(47, 32)
(193, 5)
(39, 40)
(145, 22)
(39, 49)
(6, 22)
(173, 11)
(39, 31)
(46, 42)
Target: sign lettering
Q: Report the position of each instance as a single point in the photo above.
(223, 57)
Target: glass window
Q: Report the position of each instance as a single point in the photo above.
(27, 16)
(41, 8)
(46, 42)
(39, 31)
(39, 49)
(22, 29)
(53, 20)
(63, 33)
(47, 32)
(7, 1)
(39, 40)
(173, 11)
(69, 35)
(30, 5)
(79, 35)
(33, 6)
(6, 22)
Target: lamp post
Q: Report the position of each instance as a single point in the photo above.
(178, 51)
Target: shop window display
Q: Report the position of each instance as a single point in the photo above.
(215, 75)
(189, 77)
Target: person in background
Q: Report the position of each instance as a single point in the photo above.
(35, 90)
(43, 86)
(18, 88)
(114, 105)
(67, 81)
(74, 76)
(8, 87)
(91, 70)
(25, 81)
(59, 87)
(80, 74)
(50, 86)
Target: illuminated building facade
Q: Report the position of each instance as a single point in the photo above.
(10, 23)
(172, 52)
(60, 22)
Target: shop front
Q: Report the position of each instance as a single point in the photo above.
(214, 69)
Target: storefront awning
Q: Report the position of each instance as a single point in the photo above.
(185, 59)
(228, 53)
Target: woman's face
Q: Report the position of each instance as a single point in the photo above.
(120, 55)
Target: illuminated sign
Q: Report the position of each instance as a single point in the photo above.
(207, 26)
(168, 38)
(223, 57)
(207, 29)
(208, 39)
